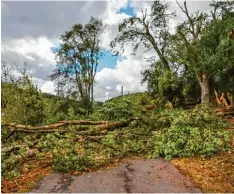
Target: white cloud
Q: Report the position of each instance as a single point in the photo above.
(127, 74)
(111, 19)
(30, 47)
(44, 86)
(108, 87)
(48, 87)
(36, 52)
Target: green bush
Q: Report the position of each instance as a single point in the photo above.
(66, 160)
(10, 165)
(145, 100)
(115, 111)
(198, 132)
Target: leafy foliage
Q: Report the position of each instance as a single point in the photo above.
(78, 60)
(113, 111)
(21, 101)
(197, 133)
(70, 160)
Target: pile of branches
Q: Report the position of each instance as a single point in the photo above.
(102, 127)
(23, 143)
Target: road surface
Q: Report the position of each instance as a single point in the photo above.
(130, 176)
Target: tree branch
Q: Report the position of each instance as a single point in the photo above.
(185, 10)
(101, 125)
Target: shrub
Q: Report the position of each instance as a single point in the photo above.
(66, 160)
(112, 111)
(10, 165)
(199, 132)
(145, 100)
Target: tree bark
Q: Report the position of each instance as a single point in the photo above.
(100, 125)
(205, 89)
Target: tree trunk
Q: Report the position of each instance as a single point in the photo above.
(205, 89)
(92, 99)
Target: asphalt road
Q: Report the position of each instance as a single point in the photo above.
(131, 176)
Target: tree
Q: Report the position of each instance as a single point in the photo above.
(149, 30)
(78, 58)
(163, 85)
(198, 43)
(21, 101)
(189, 33)
(218, 46)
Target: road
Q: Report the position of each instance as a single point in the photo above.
(130, 176)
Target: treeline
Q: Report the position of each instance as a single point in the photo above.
(192, 61)
(23, 103)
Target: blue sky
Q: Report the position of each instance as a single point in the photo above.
(129, 9)
(108, 61)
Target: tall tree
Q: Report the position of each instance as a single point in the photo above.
(189, 33)
(78, 57)
(198, 43)
(150, 29)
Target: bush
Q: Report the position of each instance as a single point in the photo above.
(199, 132)
(66, 160)
(10, 165)
(145, 100)
(113, 111)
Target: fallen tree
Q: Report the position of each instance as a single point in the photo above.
(54, 126)
(101, 125)
(30, 153)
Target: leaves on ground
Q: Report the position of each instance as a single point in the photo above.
(215, 174)
(31, 173)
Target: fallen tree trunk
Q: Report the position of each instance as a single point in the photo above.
(102, 125)
(54, 126)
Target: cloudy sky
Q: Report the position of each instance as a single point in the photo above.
(31, 29)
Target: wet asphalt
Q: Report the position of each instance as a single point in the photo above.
(130, 176)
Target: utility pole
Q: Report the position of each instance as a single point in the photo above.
(121, 90)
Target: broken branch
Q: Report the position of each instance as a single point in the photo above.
(102, 125)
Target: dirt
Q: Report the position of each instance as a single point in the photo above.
(130, 176)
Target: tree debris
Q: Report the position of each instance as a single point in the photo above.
(101, 125)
